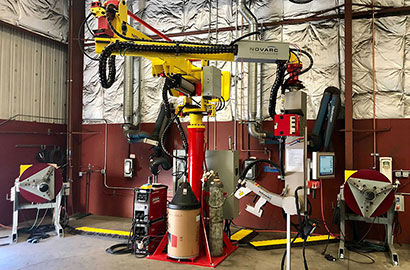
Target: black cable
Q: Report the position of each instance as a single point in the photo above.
(165, 130)
(280, 74)
(304, 254)
(257, 161)
(245, 36)
(167, 87)
(286, 84)
(79, 39)
(282, 264)
(118, 249)
(301, 225)
(368, 231)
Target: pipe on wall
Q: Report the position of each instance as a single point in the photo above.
(128, 90)
(104, 170)
(254, 128)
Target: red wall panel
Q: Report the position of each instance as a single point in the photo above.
(105, 201)
(20, 132)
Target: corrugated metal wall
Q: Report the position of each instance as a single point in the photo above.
(33, 75)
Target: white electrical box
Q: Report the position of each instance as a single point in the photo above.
(399, 203)
(386, 167)
(128, 167)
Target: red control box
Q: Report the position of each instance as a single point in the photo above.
(287, 125)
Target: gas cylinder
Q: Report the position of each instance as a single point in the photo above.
(183, 224)
(216, 201)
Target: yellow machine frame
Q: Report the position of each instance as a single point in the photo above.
(165, 63)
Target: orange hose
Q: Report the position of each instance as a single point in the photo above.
(5, 227)
(322, 212)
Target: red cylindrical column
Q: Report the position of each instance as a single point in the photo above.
(196, 158)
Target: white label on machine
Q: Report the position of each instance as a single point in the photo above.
(294, 160)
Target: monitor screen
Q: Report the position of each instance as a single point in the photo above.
(326, 165)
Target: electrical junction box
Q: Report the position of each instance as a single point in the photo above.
(287, 125)
(386, 167)
(211, 83)
(226, 164)
(262, 52)
(251, 174)
(128, 167)
(399, 203)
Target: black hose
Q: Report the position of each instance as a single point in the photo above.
(245, 36)
(257, 161)
(281, 148)
(286, 84)
(182, 134)
(298, 212)
(304, 255)
(165, 90)
(162, 137)
(280, 74)
(79, 38)
(162, 161)
(282, 264)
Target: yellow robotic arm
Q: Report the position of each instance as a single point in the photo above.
(172, 59)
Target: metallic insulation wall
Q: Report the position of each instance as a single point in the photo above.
(45, 17)
(324, 40)
(392, 55)
(33, 74)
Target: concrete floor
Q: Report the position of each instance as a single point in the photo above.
(86, 252)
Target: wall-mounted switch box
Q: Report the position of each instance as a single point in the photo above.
(399, 203)
(386, 167)
(128, 167)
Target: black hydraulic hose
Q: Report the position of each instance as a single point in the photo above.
(257, 161)
(280, 74)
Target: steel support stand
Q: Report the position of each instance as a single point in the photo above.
(288, 242)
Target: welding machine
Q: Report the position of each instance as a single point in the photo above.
(149, 222)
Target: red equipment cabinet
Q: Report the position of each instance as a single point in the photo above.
(287, 125)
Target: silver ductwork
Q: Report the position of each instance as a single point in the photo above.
(128, 90)
(254, 128)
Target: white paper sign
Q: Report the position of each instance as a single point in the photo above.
(294, 160)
